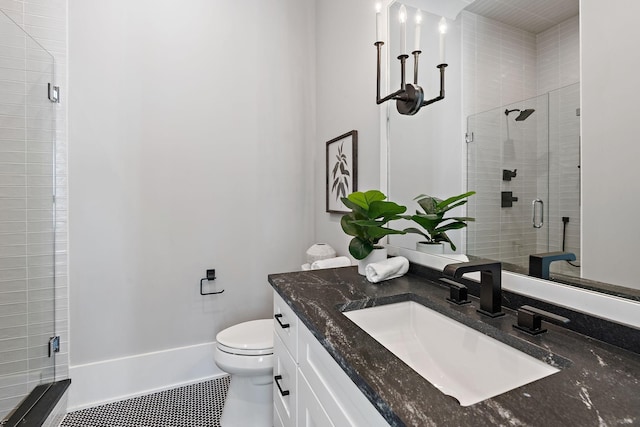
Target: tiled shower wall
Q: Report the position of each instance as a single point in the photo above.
(45, 21)
(509, 67)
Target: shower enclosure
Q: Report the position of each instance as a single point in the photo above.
(525, 167)
(27, 217)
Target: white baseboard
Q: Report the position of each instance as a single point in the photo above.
(112, 380)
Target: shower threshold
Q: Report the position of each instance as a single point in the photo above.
(34, 410)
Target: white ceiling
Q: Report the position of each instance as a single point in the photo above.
(534, 16)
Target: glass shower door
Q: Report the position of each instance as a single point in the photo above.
(27, 216)
(508, 167)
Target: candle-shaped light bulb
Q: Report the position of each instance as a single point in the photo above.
(403, 30)
(442, 27)
(416, 43)
(378, 21)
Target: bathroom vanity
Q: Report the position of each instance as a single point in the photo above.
(331, 372)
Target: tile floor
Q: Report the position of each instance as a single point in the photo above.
(197, 405)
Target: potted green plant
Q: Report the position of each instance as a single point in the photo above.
(366, 223)
(434, 224)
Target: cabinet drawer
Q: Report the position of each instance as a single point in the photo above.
(285, 323)
(341, 399)
(285, 392)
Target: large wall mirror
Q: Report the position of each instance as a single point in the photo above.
(509, 129)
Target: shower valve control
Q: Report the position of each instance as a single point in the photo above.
(508, 199)
(507, 174)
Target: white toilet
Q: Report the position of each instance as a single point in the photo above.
(246, 352)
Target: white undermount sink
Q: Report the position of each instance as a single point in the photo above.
(458, 360)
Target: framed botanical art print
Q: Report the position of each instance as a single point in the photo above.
(342, 170)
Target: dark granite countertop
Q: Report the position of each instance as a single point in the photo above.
(598, 384)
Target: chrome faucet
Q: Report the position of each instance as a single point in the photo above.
(539, 263)
(490, 283)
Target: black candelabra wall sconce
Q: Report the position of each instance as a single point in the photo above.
(410, 97)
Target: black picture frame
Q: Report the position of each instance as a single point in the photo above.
(341, 170)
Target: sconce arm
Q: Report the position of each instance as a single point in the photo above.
(403, 87)
(441, 96)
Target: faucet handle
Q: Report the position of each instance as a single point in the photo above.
(457, 292)
(530, 319)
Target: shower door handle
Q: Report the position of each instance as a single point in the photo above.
(541, 203)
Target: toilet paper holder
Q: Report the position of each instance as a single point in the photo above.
(211, 276)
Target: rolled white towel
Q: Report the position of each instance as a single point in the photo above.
(387, 269)
(341, 261)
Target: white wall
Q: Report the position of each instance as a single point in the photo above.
(427, 150)
(610, 149)
(346, 78)
(190, 135)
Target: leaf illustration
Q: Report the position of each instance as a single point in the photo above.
(335, 183)
(341, 190)
(335, 169)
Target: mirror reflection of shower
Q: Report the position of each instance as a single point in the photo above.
(523, 113)
(536, 138)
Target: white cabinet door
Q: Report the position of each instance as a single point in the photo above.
(310, 411)
(285, 392)
(277, 419)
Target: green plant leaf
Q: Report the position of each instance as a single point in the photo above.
(429, 204)
(380, 208)
(359, 248)
(462, 218)
(427, 223)
(444, 238)
(348, 226)
(377, 233)
(354, 207)
(414, 230)
(451, 226)
(448, 208)
(365, 199)
(450, 200)
(368, 223)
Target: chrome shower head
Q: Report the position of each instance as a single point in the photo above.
(523, 113)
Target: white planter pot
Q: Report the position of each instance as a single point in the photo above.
(376, 255)
(430, 248)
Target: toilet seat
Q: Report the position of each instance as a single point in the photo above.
(253, 338)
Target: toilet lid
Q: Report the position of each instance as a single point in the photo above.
(252, 338)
